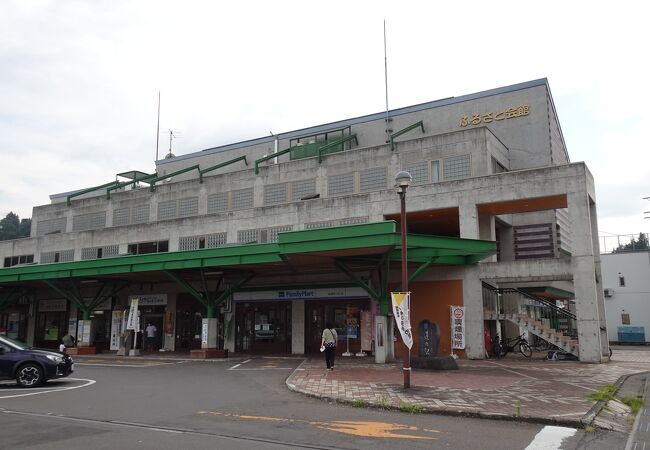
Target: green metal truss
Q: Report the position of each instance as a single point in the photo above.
(72, 292)
(218, 166)
(397, 134)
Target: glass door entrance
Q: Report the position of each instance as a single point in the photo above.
(263, 327)
(344, 315)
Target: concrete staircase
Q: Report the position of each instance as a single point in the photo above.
(540, 328)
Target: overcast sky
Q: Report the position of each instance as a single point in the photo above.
(79, 80)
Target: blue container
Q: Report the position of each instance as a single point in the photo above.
(631, 334)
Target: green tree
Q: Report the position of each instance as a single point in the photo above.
(11, 227)
(635, 245)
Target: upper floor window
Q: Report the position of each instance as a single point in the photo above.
(621, 280)
(457, 167)
(57, 256)
(148, 247)
(17, 260)
(100, 252)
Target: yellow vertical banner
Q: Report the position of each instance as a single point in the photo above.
(402, 312)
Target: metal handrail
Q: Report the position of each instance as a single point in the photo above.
(396, 134)
(334, 144)
(541, 309)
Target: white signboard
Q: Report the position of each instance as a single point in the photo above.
(204, 333)
(52, 305)
(401, 311)
(457, 327)
(301, 294)
(117, 319)
(132, 322)
(151, 299)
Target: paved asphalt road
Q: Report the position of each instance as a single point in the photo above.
(230, 404)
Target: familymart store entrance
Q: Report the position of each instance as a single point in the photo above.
(292, 321)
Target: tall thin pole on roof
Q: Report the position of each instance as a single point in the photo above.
(158, 126)
(386, 83)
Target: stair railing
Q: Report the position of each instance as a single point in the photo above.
(517, 301)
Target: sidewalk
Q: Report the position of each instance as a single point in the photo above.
(524, 389)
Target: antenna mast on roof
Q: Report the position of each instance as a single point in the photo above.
(388, 130)
(158, 126)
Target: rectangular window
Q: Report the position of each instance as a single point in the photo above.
(353, 220)
(188, 207)
(435, 171)
(275, 193)
(340, 184)
(247, 236)
(621, 280)
(302, 188)
(188, 243)
(121, 216)
(242, 198)
(55, 257)
(373, 179)
(51, 226)
(99, 252)
(273, 232)
(215, 240)
(140, 214)
(92, 221)
(17, 260)
(316, 225)
(419, 172)
(625, 319)
(217, 202)
(148, 247)
(457, 167)
(167, 210)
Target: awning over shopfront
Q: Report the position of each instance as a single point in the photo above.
(319, 246)
(346, 250)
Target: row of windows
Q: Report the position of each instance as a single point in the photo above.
(369, 180)
(261, 235)
(215, 240)
(453, 168)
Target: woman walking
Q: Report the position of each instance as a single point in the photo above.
(329, 343)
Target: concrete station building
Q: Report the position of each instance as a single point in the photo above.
(254, 246)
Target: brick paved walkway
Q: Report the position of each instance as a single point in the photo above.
(533, 389)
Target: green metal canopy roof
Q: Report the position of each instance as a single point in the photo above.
(378, 238)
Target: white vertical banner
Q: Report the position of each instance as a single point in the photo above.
(132, 321)
(457, 327)
(117, 319)
(401, 311)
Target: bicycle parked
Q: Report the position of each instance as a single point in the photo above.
(515, 344)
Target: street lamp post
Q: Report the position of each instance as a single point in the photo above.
(402, 182)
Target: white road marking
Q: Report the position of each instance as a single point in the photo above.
(550, 438)
(505, 368)
(89, 382)
(129, 365)
(235, 366)
(265, 368)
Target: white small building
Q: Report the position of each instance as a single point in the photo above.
(626, 283)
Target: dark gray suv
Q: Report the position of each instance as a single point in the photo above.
(31, 366)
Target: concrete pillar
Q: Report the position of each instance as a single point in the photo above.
(468, 219)
(604, 341)
(31, 320)
(487, 232)
(209, 333)
(381, 339)
(298, 327)
(583, 265)
(229, 329)
(473, 302)
(169, 339)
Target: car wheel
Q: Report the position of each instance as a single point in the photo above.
(29, 375)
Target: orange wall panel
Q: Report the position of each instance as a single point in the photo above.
(430, 300)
